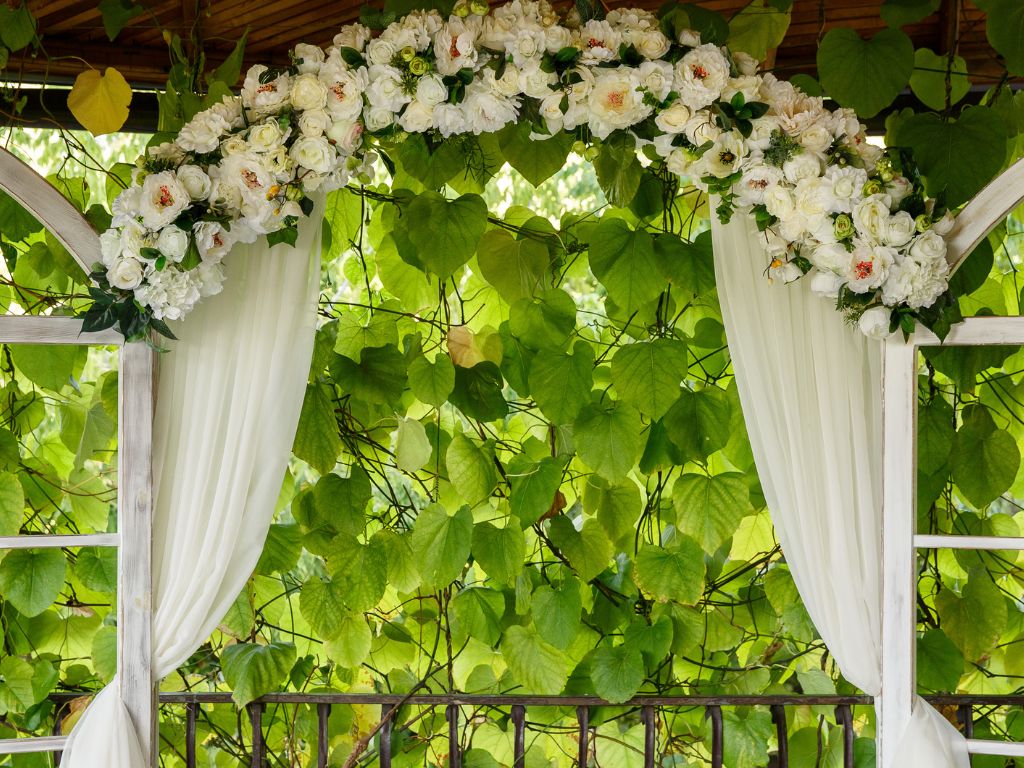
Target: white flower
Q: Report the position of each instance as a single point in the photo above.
(679, 162)
(380, 51)
(450, 119)
(826, 284)
(455, 47)
(785, 271)
(755, 183)
(163, 199)
(745, 63)
(234, 145)
(485, 111)
(386, 89)
(874, 323)
(725, 155)
(748, 85)
(870, 216)
(212, 241)
(230, 109)
(929, 247)
(845, 184)
(168, 151)
(598, 41)
(674, 118)
(314, 153)
(247, 175)
(210, 278)
(921, 277)
(830, 257)
(656, 77)
(345, 88)
(527, 45)
(195, 181)
(652, 43)
(171, 294)
(615, 102)
(944, 225)
(507, 85)
(779, 202)
(899, 229)
(536, 83)
(126, 274)
(701, 128)
(203, 132)
(551, 111)
(378, 118)
(110, 247)
(308, 58)
(803, 166)
(353, 36)
(816, 137)
(308, 92)
(417, 117)
(172, 243)
(265, 98)
(266, 136)
(313, 122)
(556, 38)
(689, 38)
(431, 90)
(868, 267)
(701, 75)
(347, 135)
(898, 189)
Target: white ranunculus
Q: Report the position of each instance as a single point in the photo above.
(195, 181)
(899, 229)
(381, 51)
(308, 92)
(868, 266)
(265, 98)
(417, 117)
(656, 77)
(674, 118)
(354, 36)
(826, 284)
(701, 75)
(615, 102)
(313, 122)
(266, 136)
(203, 132)
(487, 112)
(806, 165)
(172, 243)
(163, 199)
(386, 89)
(378, 118)
(874, 323)
(725, 156)
(314, 153)
(308, 58)
(431, 90)
(870, 216)
(450, 119)
(755, 183)
(126, 274)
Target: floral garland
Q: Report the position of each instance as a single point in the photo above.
(830, 205)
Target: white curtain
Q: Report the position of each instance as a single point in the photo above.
(810, 387)
(228, 402)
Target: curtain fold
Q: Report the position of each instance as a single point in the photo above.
(810, 387)
(228, 400)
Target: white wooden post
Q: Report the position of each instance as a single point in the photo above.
(135, 523)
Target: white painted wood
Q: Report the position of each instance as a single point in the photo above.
(51, 209)
(135, 522)
(929, 541)
(983, 213)
(40, 744)
(44, 541)
(899, 456)
(35, 329)
(975, 331)
(985, 747)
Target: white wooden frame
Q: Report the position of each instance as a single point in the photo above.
(135, 445)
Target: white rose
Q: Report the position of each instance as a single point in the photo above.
(551, 111)
(450, 119)
(556, 38)
(802, 166)
(689, 38)
(536, 83)
(172, 243)
(898, 189)
(163, 199)
(195, 181)
(899, 229)
(266, 136)
(779, 202)
(308, 58)
(353, 36)
(656, 77)
(652, 44)
(816, 138)
(826, 284)
(679, 162)
(203, 132)
(380, 51)
(431, 90)
(701, 128)
(830, 257)
(308, 92)
(845, 185)
(234, 145)
(386, 88)
(314, 153)
(313, 122)
(417, 117)
(347, 135)
(874, 323)
(110, 247)
(527, 45)
(378, 118)
(929, 247)
(508, 84)
(745, 63)
(674, 118)
(870, 216)
(125, 275)
(748, 85)
(701, 75)
(725, 156)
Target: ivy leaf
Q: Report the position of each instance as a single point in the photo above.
(471, 469)
(361, 568)
(536, 665)
(561, 383)
(675, 572)
(710, 508)
(253, 670)
(609, 438)
(648, 374)
(477, 392)
(537, 161)
(757, 29)
(623, 260)
(445, 232)
(616, 505)
(100, 102)
(516, 268)
(500, 551)
(432, 382)
(116, 14)
(617, 672)
(556, 612)
(31, 579)
(321, 603)
(476, 613)
(618, 170)
(317, 441)
(533, 487)
(12, 504)
(588, 549)
(545, 321)
(1004, 28)
(412, 446)
(975, 620)
(699, 422)
(984, 460)
(441, 544)
(866, 75)
(939, 662)
(929, 79)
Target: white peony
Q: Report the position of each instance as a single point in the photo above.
(816, 137)
(386, 89)
(314, 153)
(485, 111)
(450, 119)
(536, 83)
(779, 202)
(173, 243)
(308, 92)
(203, 132)
(868, 266)
(845, 184)
(616, 101)
(874, 323)
(195, 181)
(307, 58)
(125, 274)
(265, 98)
(345, 88)
(598, 41)
(755, 183)
(701, 128)
(163, 198)
(234, 145)
(455, 47)
(701, 75)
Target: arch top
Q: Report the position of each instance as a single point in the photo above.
(51, 209)
(984, 212)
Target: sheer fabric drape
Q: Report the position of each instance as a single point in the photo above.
(228, 400)
(810, 387)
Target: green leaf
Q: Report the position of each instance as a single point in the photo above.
(782, 594)
(432, 168)
(561, 383)
(709, 509)
(533, 487)
(357, 331)
(618, 170)
(556, 612)
(616, 505)
(1004, 28)
(12, 504)
(31, 579)
(441, 544)
(432, 382)
(537, 161)
(699, 422)
(939, 662)
(588, 549)
(623, 260)
(49, 366)
(984, 460)
(471, 469)
(648, 374)
(412, 446)
(535, 664)
(544, 322)
(116, 14)
(282, 549)
(746, 734)
(477, 613)
(499, 551)
(929, 79)
(352, 644)
(617, 672)
(343, 219)
(477, 392)
(317, 441)
(16, 692)
(15, 222)
(17, 26)
(322, 604)
(362, 569)
(959, 156)
(338, 506)
(96, 568)
(653, 640)
(974, 621)
(866, 75)
(899, 13)
(757, 29)
(675, 572)
(231, 68)
(379, 377)
(253, 670)
(609, 438)
(445, 232)
(516, 268)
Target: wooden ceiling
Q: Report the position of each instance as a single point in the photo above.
(72, 31)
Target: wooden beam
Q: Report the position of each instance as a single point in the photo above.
(39, 329)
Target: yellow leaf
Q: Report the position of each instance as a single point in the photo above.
(100, 102)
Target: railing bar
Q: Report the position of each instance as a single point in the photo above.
(190, 734)
(935, 541)
(55, 541)
(717, 742)
(583, 718)
(650, 742)
(965, 714)
(781, 733)
(454, 753)
(387, 716)
(256, 716)
(844, 716)
(323, 712)
(519, 737)
(37, 744)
